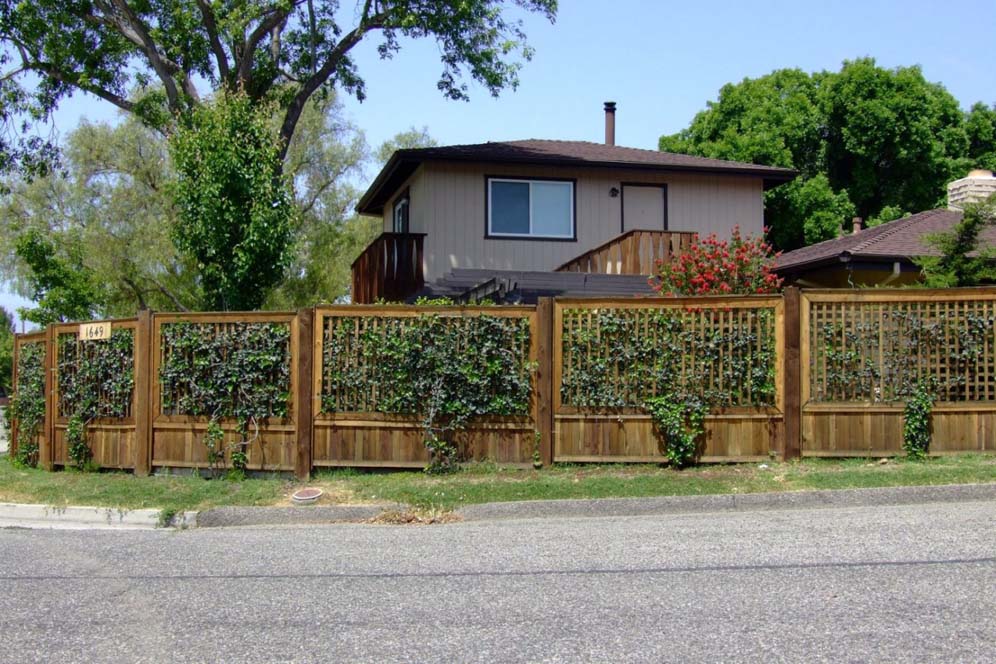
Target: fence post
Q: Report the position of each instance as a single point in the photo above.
(544, 378)
(12, 434)
(142, 405)
(303, 406)
(46, 451)
(792, 378)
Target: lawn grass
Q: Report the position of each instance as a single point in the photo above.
(485, 483)
(119, 489)
(491, 484)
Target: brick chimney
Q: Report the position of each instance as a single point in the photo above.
(858, 225)
(977, 186)
(610, 123)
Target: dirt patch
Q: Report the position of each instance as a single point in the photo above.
(415, 518)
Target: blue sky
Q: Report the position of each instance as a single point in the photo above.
(660, 61)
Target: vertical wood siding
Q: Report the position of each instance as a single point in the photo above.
(448, 204)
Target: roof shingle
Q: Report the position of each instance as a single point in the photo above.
(900, 239)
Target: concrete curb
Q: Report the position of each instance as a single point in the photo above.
(14, 515)
(42, 516)
(220, 517)
(608, 507)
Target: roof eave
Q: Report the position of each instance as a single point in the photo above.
(372, 203)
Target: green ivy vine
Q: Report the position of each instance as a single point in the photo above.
(233, 370)
(886, 358)
(681, 425)
(444, 370)
(917, 421)
(96, 379)
(28, 403)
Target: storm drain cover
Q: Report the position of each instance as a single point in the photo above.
(305, 496)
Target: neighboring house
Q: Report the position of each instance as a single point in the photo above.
(885, 255)
(494, 211)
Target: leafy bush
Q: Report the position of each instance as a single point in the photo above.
(740, 266)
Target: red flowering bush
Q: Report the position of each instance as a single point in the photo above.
(740, 266)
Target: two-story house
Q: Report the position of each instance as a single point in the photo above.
(458, 218)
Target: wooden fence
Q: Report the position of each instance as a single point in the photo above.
(612, 355)
(811, 373)
(863, 353)
(349, 430)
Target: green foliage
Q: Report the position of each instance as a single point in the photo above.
(235, 370)
(962, 262)
(406, 140)
(857, 356)
(675, 364)
(76, 446)
(234, 209)
(114, 214)
(96, 379)
(880, 139)
(61, 285)
(822, 210)
(916, 422)
(621, 358)
(6, 352)
(28, 404)
(444, 370)
(680, 424)
(274, 51)
(214, 441)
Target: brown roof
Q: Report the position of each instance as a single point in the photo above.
(902, 239)
(559, 153)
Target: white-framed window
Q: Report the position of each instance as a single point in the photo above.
(530, 208)
(401, 209)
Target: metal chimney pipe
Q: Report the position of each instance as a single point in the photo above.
(610, 123)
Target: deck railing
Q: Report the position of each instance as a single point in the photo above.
(633, 252)
(390, 268)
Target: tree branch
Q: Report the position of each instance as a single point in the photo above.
(334, 59)
(248, 49)
(216, 47)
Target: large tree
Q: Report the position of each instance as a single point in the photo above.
(866, 140)
(275, 51)
(108, 211)
(110, 208)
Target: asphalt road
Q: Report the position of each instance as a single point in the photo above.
(889, 584)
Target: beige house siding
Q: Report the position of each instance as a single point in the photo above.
(448, 205)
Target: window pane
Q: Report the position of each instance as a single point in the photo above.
(552, 208)
(510, 207)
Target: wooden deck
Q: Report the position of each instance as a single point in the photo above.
(634, 252)
(390, 268)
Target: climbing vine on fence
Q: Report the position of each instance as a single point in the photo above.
(444, 370)
(28, 404)
(618, 358)
(96, 379)
(227, 370)
(882, 352)
(675, 363)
